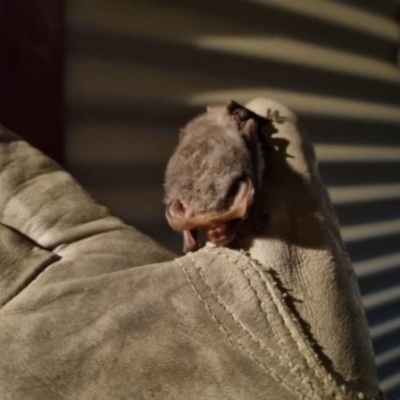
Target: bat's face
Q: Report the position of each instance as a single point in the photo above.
(209, 181)
(220, 227)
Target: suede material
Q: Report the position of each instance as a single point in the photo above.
(93, 309)
(21, 261)
(302, 245)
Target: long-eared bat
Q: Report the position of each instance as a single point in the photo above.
(213, 179)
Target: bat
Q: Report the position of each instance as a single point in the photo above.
(213, 181)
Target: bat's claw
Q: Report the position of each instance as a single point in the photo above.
(274, 116)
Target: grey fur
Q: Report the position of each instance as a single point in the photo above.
(211, 156)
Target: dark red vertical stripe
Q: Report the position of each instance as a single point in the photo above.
(31, 71)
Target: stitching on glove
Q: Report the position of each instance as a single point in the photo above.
(231, 338)
(292, 367)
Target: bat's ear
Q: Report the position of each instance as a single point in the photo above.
(232, 106)
(243, 200)
(176, 215)
(250, 128)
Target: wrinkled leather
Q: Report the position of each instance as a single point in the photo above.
(93, 309)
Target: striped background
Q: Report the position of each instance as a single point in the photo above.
(138, 70)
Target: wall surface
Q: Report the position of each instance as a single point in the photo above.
(31, 71)
(138, 70)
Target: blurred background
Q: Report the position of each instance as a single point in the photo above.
(136, 71)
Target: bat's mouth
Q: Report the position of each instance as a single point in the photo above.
(223, 234)
(220, 234)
